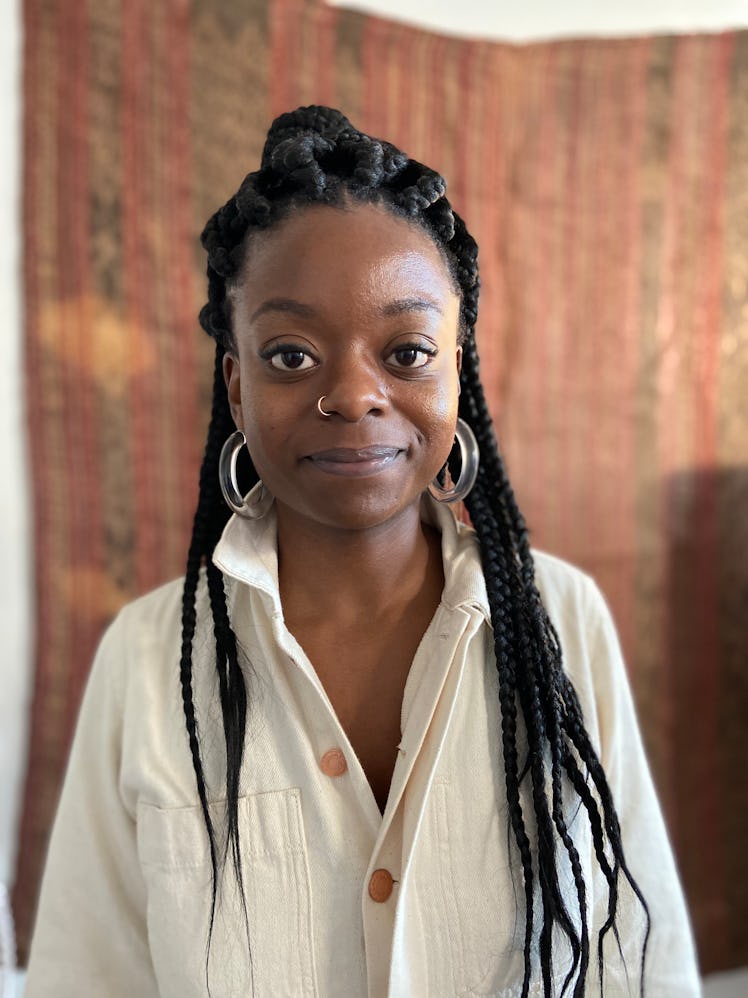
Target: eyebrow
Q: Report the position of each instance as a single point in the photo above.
(289, 305)
(411, 305)
(293, 307)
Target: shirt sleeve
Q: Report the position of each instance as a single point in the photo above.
(671, 965)
(90, 936)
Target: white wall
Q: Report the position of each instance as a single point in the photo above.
(491, 18)
(535, 19)
(14, 494)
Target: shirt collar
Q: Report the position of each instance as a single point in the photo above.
(248, 552)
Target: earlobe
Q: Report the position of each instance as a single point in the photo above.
(232, 377)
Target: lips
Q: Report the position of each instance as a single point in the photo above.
(354, 462)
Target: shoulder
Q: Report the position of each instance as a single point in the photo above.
(574, 603)
(154, 611)
(569, 594)
(134, 697)
(589, 642)
(154, 619)
(138, 654)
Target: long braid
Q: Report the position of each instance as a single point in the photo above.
(210, 518)
(314, 156)
(203, 529)
(526, 689)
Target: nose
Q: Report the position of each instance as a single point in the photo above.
(355, 390)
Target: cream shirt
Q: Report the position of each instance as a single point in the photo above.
(124, 906)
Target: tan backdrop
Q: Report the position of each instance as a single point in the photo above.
(607, 184)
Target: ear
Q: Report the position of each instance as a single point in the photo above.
(232, 377)
(458, 360)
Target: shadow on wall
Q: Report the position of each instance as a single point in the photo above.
(704, 703)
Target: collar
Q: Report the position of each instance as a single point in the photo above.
(248, 552)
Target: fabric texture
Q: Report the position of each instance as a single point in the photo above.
(607, 184)
(126, 896)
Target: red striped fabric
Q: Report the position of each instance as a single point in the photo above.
(607, 184)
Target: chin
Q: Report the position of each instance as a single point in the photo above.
(359, 512)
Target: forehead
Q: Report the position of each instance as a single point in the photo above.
(348, 252)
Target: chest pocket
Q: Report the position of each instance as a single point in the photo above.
(268, 955)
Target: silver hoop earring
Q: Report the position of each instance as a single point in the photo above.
(322, 412)
(227, 478)
(469, 458)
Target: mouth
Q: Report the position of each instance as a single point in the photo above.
(351, 462)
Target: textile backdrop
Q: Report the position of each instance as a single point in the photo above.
(607, 184)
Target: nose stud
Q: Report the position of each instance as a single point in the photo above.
(322, 411)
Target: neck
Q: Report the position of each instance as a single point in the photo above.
(331, 573)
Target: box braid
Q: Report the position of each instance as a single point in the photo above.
(314, 156)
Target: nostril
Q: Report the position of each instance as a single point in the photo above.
(352, 398)
(322, 411)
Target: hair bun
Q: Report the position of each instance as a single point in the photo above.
(326, 122)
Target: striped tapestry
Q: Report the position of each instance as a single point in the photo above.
(607, 184)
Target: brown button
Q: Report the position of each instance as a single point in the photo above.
(333, 763)
(380, 885)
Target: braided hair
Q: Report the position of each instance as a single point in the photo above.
(314, 156)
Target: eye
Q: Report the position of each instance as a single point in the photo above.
(411, 355)
(287, 357)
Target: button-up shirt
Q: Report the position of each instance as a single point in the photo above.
(424, 900)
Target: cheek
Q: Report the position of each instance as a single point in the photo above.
(266, 428)
(439, 420)
(265, 436)
(268, 453)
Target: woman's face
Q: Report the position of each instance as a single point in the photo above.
(356, 305)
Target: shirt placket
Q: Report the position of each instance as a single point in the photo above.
(381, 896)
(335, 754)
(381, 882)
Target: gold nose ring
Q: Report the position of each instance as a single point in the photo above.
(322, 411)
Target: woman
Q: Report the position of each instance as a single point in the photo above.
(412, 766)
